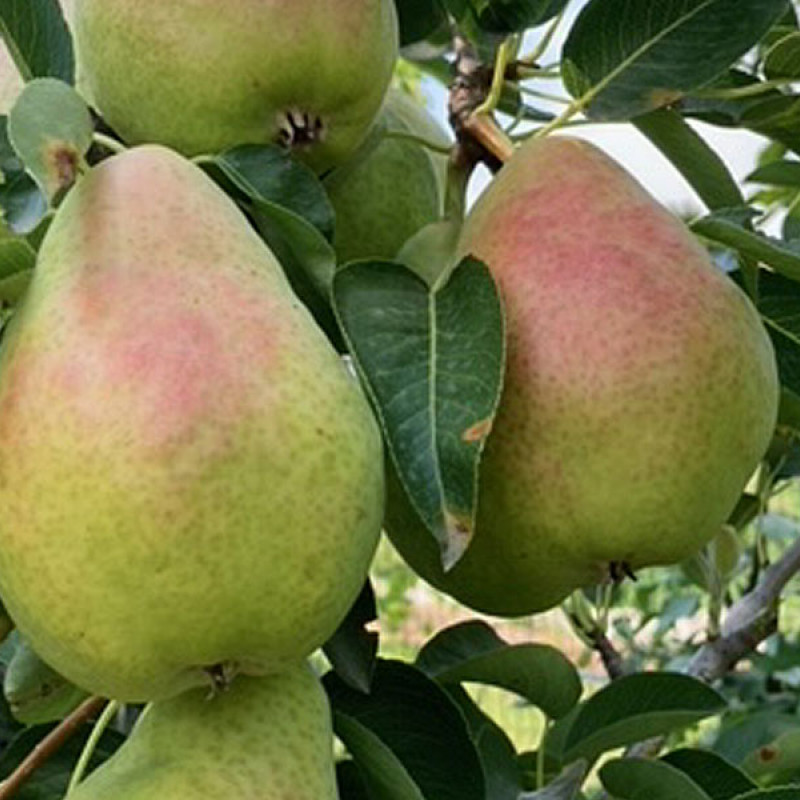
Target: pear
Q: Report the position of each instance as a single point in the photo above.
(266, 738)
(190, 479)
(386, 194)
(640, 391)
(210, 75)
(11, 82)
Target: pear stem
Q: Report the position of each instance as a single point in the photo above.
(109, 143)
(91, 744)
(50, 745)
(485, 130)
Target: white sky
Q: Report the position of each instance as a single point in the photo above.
(737, 148)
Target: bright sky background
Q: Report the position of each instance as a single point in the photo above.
(737, 148)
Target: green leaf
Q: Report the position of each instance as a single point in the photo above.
(353, 648)
(37, 38)
(384, 775)
(350, 781)
(472, 651)
(50, 780)
(23, 205)
(782, 60)
(782, 172)
(51, 128)
(565, 787)
(728, 227)
(640, 779)
(35, 692)
(268, 174)
(699, 164)
(407, 732)
(501, 769)
(782, 754)
(717, 777)
(777, 118)
(17, 260)
(779, 305)
(432, 361)
(638, 707)
(419, 19)
(776, 793)
(514, 16)
(628, 57)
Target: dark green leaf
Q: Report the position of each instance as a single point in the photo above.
(715, 104)
(350, 781)
(266, 173)
(637, 707)
(783, 58)
(514, 16)
(639, 779)
(729, 227)
(777, 118)
(717, 777)
(49, 782)
(779, 305)
(472, 651)
(406, 729)
(776, 793)
(352, 649)
(432, 361)
(38, 38)
(419, 19)
(631, 57)
(501, 769)
(704, 170)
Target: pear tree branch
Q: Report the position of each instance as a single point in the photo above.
(478, 135)
(50, 745)
(749, 621)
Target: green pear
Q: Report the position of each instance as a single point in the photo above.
(266, 738)
(640, 390)
(203, 75)
(190, 479)
(387, 193)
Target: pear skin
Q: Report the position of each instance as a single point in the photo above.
(385, 197)
(211, 75)
(191, 482)
(640, 393)
(266, 738)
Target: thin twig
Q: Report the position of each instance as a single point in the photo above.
(50, 745)
(609, 655)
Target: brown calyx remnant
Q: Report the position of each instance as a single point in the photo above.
(301, 129)
(619, 570)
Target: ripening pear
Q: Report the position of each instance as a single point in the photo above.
(265, 738)
(190, 479)
(640, 390)
(11, 82)
(204, 75)
(384, 196)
